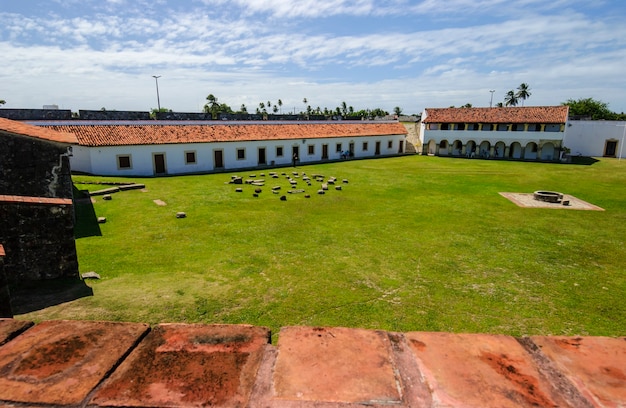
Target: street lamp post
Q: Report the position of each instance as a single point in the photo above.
(491, 100)
(156, 80)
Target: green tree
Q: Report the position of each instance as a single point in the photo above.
(523, 92)
(243, 108)
(589, 107)
(344, 108)
(280, 105)
(2, 101)
(212, 105)
(397, 110)
(154, 111)
(510, 99)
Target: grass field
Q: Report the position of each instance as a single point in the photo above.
(411, 243)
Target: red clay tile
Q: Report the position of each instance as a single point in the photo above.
(595, 365)
(9, 328)
(188, 365)
(60, 362)
(477, 370)
(35, 200)
(529, 114)
(335, 365)
(142, 134)
(19, 128)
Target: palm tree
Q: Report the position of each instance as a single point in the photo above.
(2, 101)
(397, 110)
(523, 92)
(510, 99)
(243, 108)
(280, 105)
(344, 108)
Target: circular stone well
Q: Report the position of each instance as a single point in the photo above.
(548, 196)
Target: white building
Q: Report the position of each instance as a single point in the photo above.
(596, 138)
(528, 133)
(149, 148)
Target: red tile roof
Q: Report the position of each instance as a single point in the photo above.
(530, 114)
(143, 134)
(38, 132)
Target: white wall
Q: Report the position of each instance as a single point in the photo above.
(103, 160)
(589, 137)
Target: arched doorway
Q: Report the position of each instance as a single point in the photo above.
(457, 148)
(470, 149)
(484, 149)
(530, 152)
(443, 148)
(548, 152)
(498, 151)
(515, 151)
(431, 147)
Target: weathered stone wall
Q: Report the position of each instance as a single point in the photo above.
(31, 167)
(5, 297)
(38, 238)
(36, 114)
(113, 115)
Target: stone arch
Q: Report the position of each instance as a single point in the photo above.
(515, 151)
(431, 147)
(548, 151)
(530, 151)
(443, 147)
(499, 149)
(470, 148)
(484, 149)
(457, 148)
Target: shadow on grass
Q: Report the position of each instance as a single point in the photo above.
(582, 160)
(32, 296)
(86, 224)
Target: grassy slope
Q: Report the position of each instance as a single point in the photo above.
(412, 243)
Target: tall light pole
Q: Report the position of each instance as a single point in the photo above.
(156, 80)
(491, 100)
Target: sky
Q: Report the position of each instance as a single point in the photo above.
(414, 54)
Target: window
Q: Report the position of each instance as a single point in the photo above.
(311, 149)
(390, 144)
(553, 128)
(472, 126)
(433, 126)
(241, 154)
(517, 127)
(338, 149)
(445, 126)
(502, 127)
(190, 157)
(279, 151)
(124, 162)
(458, 126)
(487, 127)
(534, 127)
(364, 146)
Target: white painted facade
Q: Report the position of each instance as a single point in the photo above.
(512, 141)
(160, 159)
(595, 138)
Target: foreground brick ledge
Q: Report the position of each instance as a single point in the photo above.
(109, 364)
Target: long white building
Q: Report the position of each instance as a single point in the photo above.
(149, 148)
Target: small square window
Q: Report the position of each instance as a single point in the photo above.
(123, 162)
(390, 144)
(364, 146)
(279, 151)
(241, 154)
(311, 149)
(190, 157)
(338, 149)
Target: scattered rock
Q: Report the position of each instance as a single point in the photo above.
(307, 196)
(296, 191)
(321, 192)
(102, 220)
(257, 190)
(324, 186)
(255, 194)
(181, 214)
(276, 188)
(239, 190)
(283, 198)
(90, 275)
(107, 197)
(160, 203)
(345, 181)
(337, 187)
(237, 180)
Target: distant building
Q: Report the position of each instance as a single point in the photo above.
(152, 148)
(525, 133)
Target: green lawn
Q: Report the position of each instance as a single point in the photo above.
(411, 243)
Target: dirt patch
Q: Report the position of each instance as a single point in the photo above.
(527, 200)
(160, 203)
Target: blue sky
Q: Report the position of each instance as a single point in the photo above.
(84, 54)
